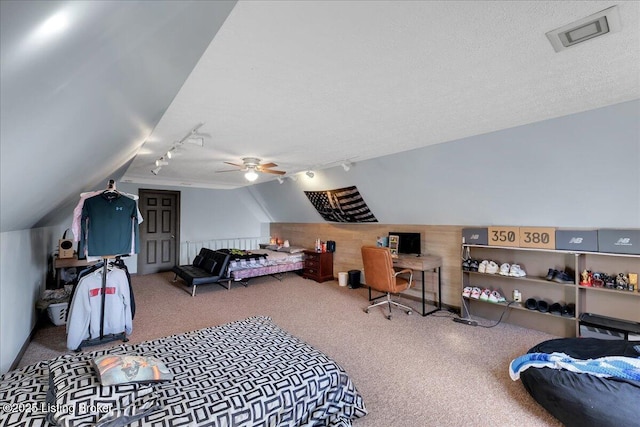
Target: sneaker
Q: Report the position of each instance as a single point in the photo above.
(484, 296)
(466, 292)
(516, 271)
(475, 293)
(496, 297)
(473, 265)
(504, 269)
(492, 267)
(482, 267)
(563, 277)
(466, 265)
(552, 272)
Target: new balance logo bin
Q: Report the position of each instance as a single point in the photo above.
(577, 240)
(619, 241)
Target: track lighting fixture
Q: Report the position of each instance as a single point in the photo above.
(310, 174)
(251, 175)
(346, 166)
(156, 170)
(161, 162)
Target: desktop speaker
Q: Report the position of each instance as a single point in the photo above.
(65, 246)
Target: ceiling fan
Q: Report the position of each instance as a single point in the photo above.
(252, 166)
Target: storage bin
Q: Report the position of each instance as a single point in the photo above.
(58, 313)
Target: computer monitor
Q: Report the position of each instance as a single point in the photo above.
(409, 243)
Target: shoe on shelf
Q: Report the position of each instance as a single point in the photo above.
(568, 310)
(563, 277)
(473, 265)
(482, 267)
(484, 296)
(552, 272)
(492, 267)
(531, 304)
(475, 293)
(466, 292)
(466, 265)
(504, 269)
(543, 306)
(516, 271)
(555, 308)
(496, 297)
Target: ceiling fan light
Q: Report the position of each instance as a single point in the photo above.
(251, 175)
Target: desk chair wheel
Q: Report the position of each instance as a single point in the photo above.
(366, 310)
(409, 311)
(389, 317)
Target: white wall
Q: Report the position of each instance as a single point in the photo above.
(575, 171)
(23, 269)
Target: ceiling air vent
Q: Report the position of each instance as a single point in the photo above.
(603, 22)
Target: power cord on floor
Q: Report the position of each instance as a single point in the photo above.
(472, 322)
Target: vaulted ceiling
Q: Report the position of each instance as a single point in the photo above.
(304, 84)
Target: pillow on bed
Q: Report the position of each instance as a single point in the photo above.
(197, 261)
(272, 247)
(75, 396)
(291, 249)
(209, 265)
(125, 369)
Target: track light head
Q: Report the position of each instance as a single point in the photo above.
(161, 162)
(310, 174)
(156, 170)
(280, 179)
(346, 166)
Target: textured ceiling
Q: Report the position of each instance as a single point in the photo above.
(308, 84)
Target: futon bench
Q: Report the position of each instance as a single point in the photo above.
(208, 266)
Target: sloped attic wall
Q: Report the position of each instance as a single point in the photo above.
(579, 170)
(76, 106)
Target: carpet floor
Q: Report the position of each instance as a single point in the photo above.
(411, 370)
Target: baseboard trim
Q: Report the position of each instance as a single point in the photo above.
(24, 347)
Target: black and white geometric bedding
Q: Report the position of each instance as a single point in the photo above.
(245, 373)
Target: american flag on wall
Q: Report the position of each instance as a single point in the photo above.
(341, 205)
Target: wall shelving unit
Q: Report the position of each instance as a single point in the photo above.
(620, 304)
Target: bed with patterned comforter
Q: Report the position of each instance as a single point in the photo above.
(264, 262)
(245, 373)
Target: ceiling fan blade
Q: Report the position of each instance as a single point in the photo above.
(273, 172)
(228, 170)
(268, 165)
(234, 164)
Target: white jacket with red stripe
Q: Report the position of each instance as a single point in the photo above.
(84, 313)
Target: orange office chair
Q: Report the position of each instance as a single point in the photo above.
(380, 275)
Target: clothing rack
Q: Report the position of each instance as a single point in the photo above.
(102, 339)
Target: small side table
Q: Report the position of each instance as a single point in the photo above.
(318, 266)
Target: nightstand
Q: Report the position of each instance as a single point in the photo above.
(318, 266)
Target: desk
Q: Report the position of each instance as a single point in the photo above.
(421, 263)
(59, 263)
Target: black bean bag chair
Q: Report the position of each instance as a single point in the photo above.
(584, 400)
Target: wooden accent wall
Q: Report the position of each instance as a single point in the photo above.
(441, 240)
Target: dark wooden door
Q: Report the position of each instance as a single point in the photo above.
(159, 232)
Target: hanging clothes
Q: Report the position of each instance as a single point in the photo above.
(85, 312)
(77, 214)
(109, 225)
(119, 263)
